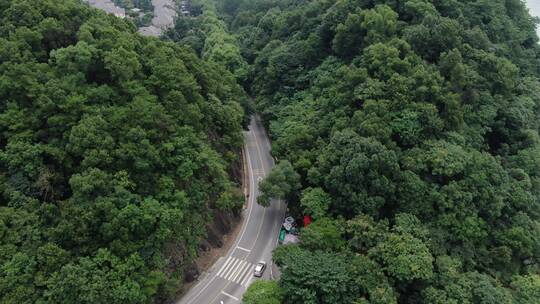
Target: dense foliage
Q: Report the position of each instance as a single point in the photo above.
(207, 34)
(408, 130)
(414, 129)
(263, 292)
(114, 149)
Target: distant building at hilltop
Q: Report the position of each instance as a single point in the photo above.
(534, 9)
(108, 6)
(185, 7)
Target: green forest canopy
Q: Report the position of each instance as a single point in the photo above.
(414, 128)
(114, 149)
(409, 130)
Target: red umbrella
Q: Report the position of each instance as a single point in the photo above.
(307, 220)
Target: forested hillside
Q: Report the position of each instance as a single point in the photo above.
(409, 131)
(114, 151)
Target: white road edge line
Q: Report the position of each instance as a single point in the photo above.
(230, 296)
(251, 200)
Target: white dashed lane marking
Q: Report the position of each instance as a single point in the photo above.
(230, 296)
(236, 270)
(243, 249)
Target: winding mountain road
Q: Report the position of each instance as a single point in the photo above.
(227, 280)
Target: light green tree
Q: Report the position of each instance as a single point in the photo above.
(281, 183)
(263, 292)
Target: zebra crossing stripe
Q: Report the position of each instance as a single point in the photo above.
(226, 269)
(231, 268)
(236, 270)
(240, 271)
(224, 266)
(247, 276)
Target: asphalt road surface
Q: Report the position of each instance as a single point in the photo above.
(227, 280)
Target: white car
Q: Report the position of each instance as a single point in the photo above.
(259, 269)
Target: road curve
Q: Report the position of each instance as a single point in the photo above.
(227, 280)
